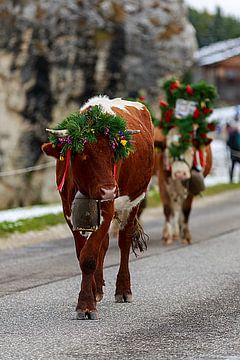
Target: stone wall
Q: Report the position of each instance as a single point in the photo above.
(56, 54)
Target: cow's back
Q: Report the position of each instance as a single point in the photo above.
(134, 173)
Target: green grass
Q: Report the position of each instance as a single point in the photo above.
(154, 200)
(24, 225)
(42, 222)
(153, 197)
(219, 188)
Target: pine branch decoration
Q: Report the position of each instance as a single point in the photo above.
(193, 128)
(85, 127)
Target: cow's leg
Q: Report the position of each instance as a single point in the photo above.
(89, 255)
(78, 238)
(86, 307)
(175, 225)
(99, 270)
(79, 242)
(167, 235)
(163, 184)
(186, 210)
(123, 284)
(97, 280)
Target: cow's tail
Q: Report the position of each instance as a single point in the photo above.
(139, 238)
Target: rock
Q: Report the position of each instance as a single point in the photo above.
(56, 54)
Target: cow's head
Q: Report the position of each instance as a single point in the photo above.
(180, 168)
(92, 168)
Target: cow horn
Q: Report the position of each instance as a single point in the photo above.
(58, 133)
(131, 132)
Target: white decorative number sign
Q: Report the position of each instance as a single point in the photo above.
(184, 108)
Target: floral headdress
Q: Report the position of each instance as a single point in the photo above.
(81, 128)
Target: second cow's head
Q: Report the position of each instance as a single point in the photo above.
(180, 167)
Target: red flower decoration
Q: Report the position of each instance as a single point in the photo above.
(195, 143)
(163, 103)
(189, 90)
(141, 98)
(207, 110)
(211, 126)
(168, 115)
(196, 113)
(174, 85)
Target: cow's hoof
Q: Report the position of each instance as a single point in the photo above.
(99, 296)
(168, 241)
(121, 298)
(87, 315)
(186, 241)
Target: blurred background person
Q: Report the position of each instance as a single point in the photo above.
(233, 142)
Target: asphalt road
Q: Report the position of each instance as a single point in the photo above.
(186, 298)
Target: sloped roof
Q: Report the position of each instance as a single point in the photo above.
(217, 52)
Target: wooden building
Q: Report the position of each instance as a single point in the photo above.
(219, 64)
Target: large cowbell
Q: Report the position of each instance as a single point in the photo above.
(85, 213)
(195, 184)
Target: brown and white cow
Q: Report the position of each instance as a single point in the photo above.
(120, 192)
(179, 181)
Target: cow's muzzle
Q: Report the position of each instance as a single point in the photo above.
(181, 175)
(180, 170)
(108, 194)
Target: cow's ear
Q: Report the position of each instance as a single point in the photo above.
(51, 150)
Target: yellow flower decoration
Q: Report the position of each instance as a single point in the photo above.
(61, 158)
(123, 142)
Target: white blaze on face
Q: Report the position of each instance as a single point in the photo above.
(173, 137)
(107, 104)
(180, 168)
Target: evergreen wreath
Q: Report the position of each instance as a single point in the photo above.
(85, 127)
(193, 128)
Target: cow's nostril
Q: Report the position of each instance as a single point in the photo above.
(108, 194)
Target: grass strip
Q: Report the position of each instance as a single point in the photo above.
(219, 188)
(32, 224)
(154, 200)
